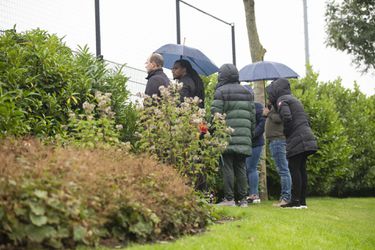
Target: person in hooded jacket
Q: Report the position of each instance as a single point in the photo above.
(192, 84)
(237, 103)
(300, 140)
(253, 160)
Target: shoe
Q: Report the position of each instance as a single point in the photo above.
(227, 203)
(281, 202)
(303, 204)
(243, 203)
(292, 205)
(253, 199)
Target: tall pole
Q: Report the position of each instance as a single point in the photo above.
(306, 26)
(178, 25)
(178, 22)
(97, 29)
(233, 44)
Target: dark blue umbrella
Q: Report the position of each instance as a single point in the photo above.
(200, 62)
(266, 70)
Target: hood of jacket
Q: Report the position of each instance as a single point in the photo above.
(278, 88)
(228, 73)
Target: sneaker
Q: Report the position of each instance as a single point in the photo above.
(280, 203)
(292, 204)
(228, 203)
(253, 199)
(303, 204)
(243, 203)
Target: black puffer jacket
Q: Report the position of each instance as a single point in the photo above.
(299, 136)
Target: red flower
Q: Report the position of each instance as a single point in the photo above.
(203, 128)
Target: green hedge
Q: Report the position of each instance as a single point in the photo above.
(42, 81)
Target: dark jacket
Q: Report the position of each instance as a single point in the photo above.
(156, 79)
(237, 103)
(190, 89)
(274, 126)
(299, 136)
(258, 139)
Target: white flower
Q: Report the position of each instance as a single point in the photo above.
(87, 107)
(196, 100)
(219, 116)
(98, 94)
(229, 130)
(201, 112)
(196, 121)
(71, 115)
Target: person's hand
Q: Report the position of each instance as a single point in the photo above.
(265, 111)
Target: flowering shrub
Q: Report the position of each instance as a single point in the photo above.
(96, 128)
(178, 134)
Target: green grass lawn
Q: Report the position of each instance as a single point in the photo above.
(328, 223)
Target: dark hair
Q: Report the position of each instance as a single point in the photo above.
(199, 86)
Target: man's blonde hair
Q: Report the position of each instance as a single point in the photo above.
(157, 59)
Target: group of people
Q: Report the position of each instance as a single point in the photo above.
(182, 72)
(284, 121)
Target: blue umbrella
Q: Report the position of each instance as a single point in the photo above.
(200, 62)
(265, 70)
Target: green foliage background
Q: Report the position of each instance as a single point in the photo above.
(350, 28)
(41, 81)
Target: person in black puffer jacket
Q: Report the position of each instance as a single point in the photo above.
(300, 140)
(237, 103)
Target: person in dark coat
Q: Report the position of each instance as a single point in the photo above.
(156, 77)
(300, 139)
(237, 103)
(253, 160)
(193, 85)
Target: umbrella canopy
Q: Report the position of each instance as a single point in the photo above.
(200, 62)
(266, 70)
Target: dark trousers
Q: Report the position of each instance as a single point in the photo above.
(297, 167)
(234, 171)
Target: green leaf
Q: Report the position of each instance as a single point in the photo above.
(38, 234)
(37, 209)
(79, 233)
(38, 220)
(62, 232)
(41, 194)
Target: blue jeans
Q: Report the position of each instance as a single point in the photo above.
(252, 170)
(278, 152)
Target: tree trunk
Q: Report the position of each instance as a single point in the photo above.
(257, 54)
